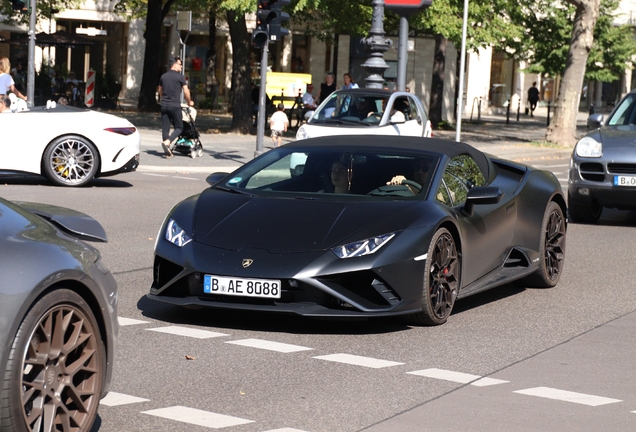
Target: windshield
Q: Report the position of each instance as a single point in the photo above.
(625, 113)
(358, 108)
(317, 173)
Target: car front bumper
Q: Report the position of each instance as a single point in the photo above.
(592, 183)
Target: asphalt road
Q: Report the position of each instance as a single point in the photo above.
(551, 360)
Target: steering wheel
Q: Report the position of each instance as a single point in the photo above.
(416, 185)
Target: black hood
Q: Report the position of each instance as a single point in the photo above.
(280, 225)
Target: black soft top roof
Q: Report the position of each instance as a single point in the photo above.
(410, 144)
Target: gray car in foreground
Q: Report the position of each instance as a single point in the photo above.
(603, 165)
(58, 319)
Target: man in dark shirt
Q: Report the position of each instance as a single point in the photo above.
(170, 85)
(533, 97)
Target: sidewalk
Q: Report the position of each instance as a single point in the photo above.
(224, 151)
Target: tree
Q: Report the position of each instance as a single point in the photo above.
(574, 40)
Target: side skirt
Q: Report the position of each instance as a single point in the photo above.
(519, 263)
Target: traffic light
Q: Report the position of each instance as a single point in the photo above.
(277, 17)
(260, 35)
(18, 5)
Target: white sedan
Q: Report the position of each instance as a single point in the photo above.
(368, 112)
(70, 146)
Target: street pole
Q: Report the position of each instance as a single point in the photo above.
(462, 68)
(403, 54)
(378, 44)
(262, 113)
(31, 54)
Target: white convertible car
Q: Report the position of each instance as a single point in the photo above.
(368, 112)
(70, 146)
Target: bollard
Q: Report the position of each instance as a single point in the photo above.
(591, 109)
(479, 111)
(548, 122)
(508, 112)
(518, 108)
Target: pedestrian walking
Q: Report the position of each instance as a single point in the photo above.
(533, 97)
(171, 84)
(278, 123)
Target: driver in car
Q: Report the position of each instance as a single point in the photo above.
(421, 168)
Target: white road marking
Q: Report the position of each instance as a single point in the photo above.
(197, 417)
(359, 360)
(458, 377)
(187, 331)
(129, 321)
(567, 396)
(268, 345)
(185, 178)
(116, 399)
(285, 430)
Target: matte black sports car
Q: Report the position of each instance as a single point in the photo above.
(58, 319)
(368, 226)
(603, 165)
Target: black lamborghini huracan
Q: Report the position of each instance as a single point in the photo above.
(362, 226)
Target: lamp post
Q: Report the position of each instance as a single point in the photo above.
(377, 44)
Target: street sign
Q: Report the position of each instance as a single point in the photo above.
(406, 6)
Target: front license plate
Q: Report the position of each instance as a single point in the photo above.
(625, 181)
(261, 288)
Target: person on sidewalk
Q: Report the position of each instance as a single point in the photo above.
(533, 98)
(278, 123)
(171, 84)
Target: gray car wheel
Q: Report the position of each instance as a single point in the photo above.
(56, 366)
(552, 249)
(70, 161)
(441, 281)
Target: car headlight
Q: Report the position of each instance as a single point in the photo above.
(588, 147)
(362, 247)
(176, 235)
(302, 133)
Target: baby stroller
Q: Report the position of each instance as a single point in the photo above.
(188, 142)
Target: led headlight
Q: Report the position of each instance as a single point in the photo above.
(362, 247)
(588, 147)
(176, 235)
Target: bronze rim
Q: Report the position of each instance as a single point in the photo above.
(61, 372)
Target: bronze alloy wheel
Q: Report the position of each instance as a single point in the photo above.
(552, 250)
(60, 364)
(441, 281)
(71, 161)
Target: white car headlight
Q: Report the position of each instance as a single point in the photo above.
(588, 147)
(302, 133)
(362, 247)
(176, 235)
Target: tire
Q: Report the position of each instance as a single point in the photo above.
(552, 249)
(585, 214)
(55, 368)
(70, 161)
(441, 281)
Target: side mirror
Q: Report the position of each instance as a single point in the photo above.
(480, 195)
(214, 178)
(419, 120)
(595, 121)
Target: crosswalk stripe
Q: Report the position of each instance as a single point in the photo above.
(567, 396)
(187, 331)
(197, 417)
(358, 360)
(268, 345)
(129, 321)
(116, 399)
(285, 430)
(458, 377)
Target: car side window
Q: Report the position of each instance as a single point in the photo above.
(461, 174)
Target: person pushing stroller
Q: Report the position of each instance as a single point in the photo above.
(171, 84)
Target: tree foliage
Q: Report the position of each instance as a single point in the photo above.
(43, 10)
(548, 31)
